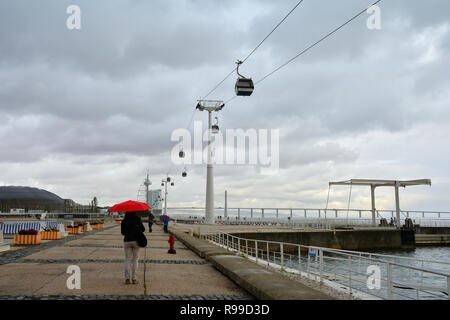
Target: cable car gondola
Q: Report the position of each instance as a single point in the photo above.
(184, 174)
(181, 154)
(215, 127)
(244, 86)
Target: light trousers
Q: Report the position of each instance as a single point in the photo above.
(131, 259)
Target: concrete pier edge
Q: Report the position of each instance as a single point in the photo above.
(260, 282)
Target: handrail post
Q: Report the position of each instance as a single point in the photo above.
(389, 274)
(246, 245)
(448, 288)
(251, 213)
(277, 213)
(309, 260)
(299, 261)
(239, 245)
(282, 255)
(228, 242)
(232, 242)
(350, 273)
(268, 256)
(239, 214)
(321, 263)
(256, 249)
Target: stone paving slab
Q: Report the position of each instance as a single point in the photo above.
(26, 250)
(76, 261)
(41, 271)
(101, 242)
(63, 252)
(126, 297)
(118, 246)
(18, 278)
(197, 279)
(105, 279)
(107, 253)
(164, 243)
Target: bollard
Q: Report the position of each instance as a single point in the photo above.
(172, 244)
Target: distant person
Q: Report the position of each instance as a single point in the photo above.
(395, 221)
(130, 226)
(165, 220)
(150, 221)
(391, 222)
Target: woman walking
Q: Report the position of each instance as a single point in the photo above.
(130, 227)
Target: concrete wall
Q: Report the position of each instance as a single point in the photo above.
(349, 239)
(432, 230)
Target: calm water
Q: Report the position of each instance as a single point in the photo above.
(403, 276)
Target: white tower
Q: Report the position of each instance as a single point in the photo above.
(147, 183)
(210, 106)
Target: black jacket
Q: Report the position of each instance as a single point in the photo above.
(130, 228)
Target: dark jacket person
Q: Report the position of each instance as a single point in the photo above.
(150, 221)
(131, 225)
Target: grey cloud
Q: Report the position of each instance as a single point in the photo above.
(88, 112)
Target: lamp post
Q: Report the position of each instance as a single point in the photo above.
(210, 106)
(164, 183)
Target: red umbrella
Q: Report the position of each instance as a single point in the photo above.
(130, 206)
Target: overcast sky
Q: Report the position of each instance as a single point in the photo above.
(87, 112)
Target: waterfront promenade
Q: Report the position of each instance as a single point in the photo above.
(40, 272)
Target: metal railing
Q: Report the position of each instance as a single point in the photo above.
(305, 216)
(362, 274)
(54, 215)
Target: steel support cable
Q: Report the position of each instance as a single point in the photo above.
(256, 48)
(293, 58)
(311, 46)
(273, 30)
(245, 59)
(317, 42)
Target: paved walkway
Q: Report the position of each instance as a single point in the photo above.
(39, 272)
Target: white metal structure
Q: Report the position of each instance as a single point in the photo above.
(381, 183)
(147, 183)
(142, 195)
(210, 106)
